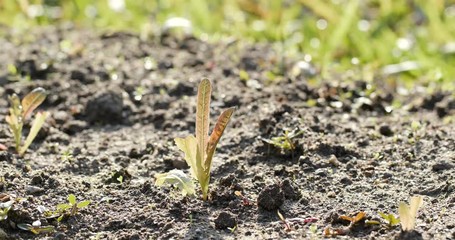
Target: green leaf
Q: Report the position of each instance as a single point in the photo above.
(32, 101)
(390, 218)
(72, 199)
(63, 206)
(14, 120)
(16, 108)
(179, 179)
(83, 204)
(202, 117)
(188, 145)
(36, 126)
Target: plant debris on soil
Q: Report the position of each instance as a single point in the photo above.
(117, 102)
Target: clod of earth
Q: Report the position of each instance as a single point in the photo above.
(271, 197)
(225, 220)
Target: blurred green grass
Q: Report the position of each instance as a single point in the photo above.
(402, 42)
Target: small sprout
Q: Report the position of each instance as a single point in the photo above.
(67, 155)
(177, 178)
(138, 93)
(372, 222)
(390, 219)
(245, 200)
(12, 69)
(287, 227)
(36, 227)
(313, 231)
(72, 205)
(232, 229)
(408, 213)
(120, 179)
(415, 126)
(20, 111)
(285, 141)
(243, 75)
(199, 150)
(4, 208)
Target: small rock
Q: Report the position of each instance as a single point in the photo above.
(61, 117)
(331, 194)
(271, 197)
(385, 130)
(441, 166)
(225, 220)
(33, 189)
(179, 163)
(346, 181)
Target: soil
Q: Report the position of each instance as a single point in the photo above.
(117, 102)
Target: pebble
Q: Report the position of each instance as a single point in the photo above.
(33, 189)
(385, 130)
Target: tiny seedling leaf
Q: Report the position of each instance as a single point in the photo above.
(63, 206)
(32, 101)
(83, 204)
(390, 219)
(179, 179)
(72, 199)
(36, 126)
(408, 213)
(188, 145)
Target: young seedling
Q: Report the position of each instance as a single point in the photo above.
(199, 150)
(4, 208)
(285, 141)
(20, 111)
(287, 227)
(36, 227)
(72, 205)
(390, 219)
(408, 213)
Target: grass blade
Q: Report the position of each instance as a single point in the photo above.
(37, 124)
(202, 116)
(32, 101)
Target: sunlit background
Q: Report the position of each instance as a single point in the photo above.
(397, 41)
